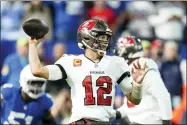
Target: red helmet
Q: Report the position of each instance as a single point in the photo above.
(129, 47)
(94, 34)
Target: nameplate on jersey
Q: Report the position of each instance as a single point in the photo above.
(77, 62)
(97, 72)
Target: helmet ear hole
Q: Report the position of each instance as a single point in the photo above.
(81, 46)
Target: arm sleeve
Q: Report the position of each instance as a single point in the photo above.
(57, 71)
(154, 84)
(125, 80)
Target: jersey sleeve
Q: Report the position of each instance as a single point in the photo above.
(55, 72)
(152, 65)
(125, 78)
(154, 85)
(64, 63)
(6, 91)
(59, 69)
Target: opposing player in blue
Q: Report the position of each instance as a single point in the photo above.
(28, 104)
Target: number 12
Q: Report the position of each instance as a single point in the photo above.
(89, 99)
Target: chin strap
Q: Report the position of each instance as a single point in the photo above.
(81, 46)
(84, 45)
(101, 53)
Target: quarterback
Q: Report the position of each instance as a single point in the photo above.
(91, 76)
(28, 104)
(155, 106)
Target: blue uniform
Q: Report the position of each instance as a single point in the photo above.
(16, 111)
(11, 69)
(118, 91)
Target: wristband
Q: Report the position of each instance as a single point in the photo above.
(137, 90)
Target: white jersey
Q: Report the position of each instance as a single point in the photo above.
(93, 85)
(155, 105)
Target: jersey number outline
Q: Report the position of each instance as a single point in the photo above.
(90, 99)
(18, 115)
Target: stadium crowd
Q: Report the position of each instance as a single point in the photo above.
(160, 25)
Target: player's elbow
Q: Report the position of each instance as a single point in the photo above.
(36, 73)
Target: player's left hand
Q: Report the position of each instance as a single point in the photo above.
(139, 70)
(140, 63)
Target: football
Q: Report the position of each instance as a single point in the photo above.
(35, 28)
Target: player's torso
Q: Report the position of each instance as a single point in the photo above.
(147, 111)
(93, 88)
(15, 111)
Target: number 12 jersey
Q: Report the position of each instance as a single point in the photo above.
(93, 84)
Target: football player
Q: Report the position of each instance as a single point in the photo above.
(91, 76)
(155, 106)
(28, 104)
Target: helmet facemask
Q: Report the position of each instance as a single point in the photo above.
(34, 88)
(99, 43)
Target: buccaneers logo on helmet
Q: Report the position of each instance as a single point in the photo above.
(89, 25)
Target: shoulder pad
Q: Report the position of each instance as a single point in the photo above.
(152, 64)
(117, 59)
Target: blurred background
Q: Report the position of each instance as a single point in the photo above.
(160, 25)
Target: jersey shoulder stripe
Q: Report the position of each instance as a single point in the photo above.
(124, 75)
(64, 74)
